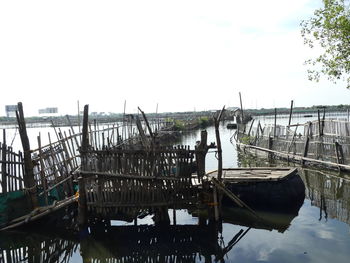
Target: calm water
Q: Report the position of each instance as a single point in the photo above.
(319, 232)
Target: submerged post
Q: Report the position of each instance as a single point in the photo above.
(218, 142)
(290, 113)
(240, 100)
(306, 143)
(82, 208)
(201, 151)
(28, 177)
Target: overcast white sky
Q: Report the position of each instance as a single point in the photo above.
(184, 55)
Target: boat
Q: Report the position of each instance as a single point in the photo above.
(264, 188)
(231, 126)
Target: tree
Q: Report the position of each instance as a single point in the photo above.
(330, 29)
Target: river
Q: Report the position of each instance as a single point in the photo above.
(319, 232)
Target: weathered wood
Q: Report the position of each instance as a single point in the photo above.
(82, 207)
(29, 180)
(275, 124)
(141, 132)
(251, 126)
(290, 113)
(306, 144)
(240, 101)
(147, 123)
(3, 164)
(218, 142)
(201, 151)
(42, 170)
(232, 196)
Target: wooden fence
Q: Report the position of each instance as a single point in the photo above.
(326, 141)
(11, 169)
(118, 178)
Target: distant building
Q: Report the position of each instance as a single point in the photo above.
(11, 110)
(48, 111)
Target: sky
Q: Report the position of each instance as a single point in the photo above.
(182, 55)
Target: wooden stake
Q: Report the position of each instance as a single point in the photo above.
(240, 100)
(42, 170)
(275, 123)
(147, 124)
(218, 143)
(290, 113)
(82, 213)
(29, 180)
(3, 164)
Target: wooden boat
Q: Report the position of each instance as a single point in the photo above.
(265, 188)
(231, 126)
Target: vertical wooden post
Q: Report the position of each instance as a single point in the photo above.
(3, 164)
(290, 113)
(216, 204)
(306, 144)
(240, 100)
(124, 128)
(42, 170)
(319, 123)
(270, 154)
(275, 123)
(251, 126)
(323, 118)
(28, 177)
(201, 151)
(218, 143)
(82, 208)
(174, 214)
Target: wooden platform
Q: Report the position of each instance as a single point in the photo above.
(254, 174)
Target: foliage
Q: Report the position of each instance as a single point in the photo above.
(330, 29)
(204, 122)
(247, 139)
(179, 125)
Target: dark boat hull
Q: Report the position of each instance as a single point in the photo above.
(285, 195)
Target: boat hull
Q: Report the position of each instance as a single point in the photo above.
(285, 195)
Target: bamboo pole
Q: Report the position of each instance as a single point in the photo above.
(42, 170)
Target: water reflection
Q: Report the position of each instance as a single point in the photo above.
(192, 237)
(330, 192)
